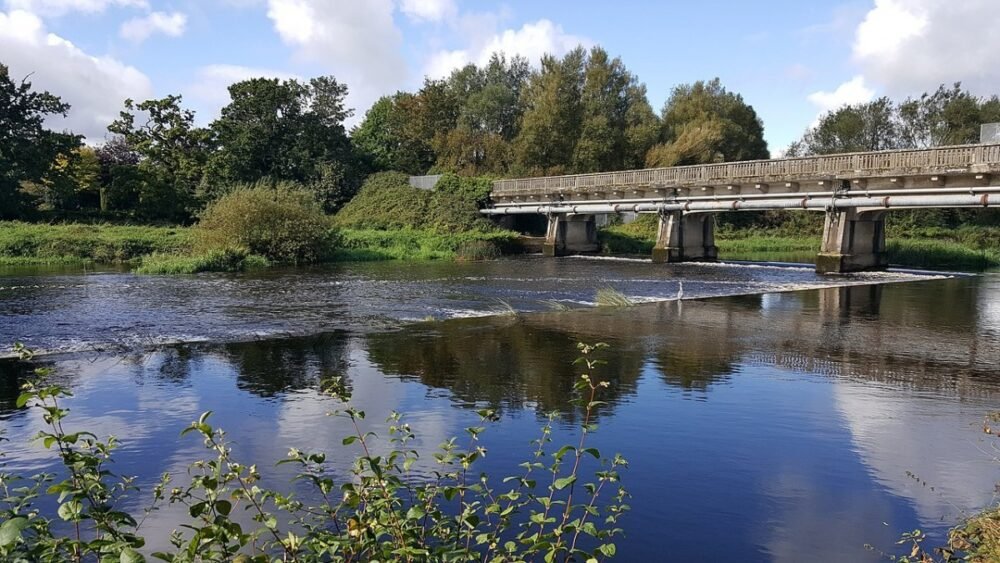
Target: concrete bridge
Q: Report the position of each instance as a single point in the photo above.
(854, 190)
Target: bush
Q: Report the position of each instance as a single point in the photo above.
(283, 223)
(477, 250)
(387, 202)
(409, 244)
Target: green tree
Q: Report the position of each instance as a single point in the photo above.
(948, 116)
(553, 115)
(173, 154)
(489, 110)
(871, 126)
(118, 175)
(389, 136)
(703, 123)
(28, 150)
(285, 131)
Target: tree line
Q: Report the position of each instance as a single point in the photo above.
(582, 112)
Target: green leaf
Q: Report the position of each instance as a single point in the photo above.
(130, 555)
(350, 440)
(10, 531)
(594, 452)
(23, 399)
(70, 510)
(608, 549)
(223, 507)
(561, 484)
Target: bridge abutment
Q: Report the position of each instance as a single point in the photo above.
(852, 242)
(685, 237)
(570, 234)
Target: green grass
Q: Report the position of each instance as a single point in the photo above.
(968, 248)
(28, 243)
(412, 244)
(229, 260)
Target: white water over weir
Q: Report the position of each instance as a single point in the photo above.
(854, 190)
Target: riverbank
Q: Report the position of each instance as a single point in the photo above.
(170, 250)
(973, 248)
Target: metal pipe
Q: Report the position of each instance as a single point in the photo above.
(886, 202)
(780, 195)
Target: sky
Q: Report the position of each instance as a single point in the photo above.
(791, 60)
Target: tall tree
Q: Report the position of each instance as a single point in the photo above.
(553, 114)
(285, 130)
(173, 154)
(948, 116)
(871, 126)
(28, 150)
(118, 175)
(489, 111)
(604, 100)
(703, 123)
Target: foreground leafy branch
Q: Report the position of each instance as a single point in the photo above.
(387, 507)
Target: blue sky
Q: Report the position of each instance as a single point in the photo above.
(790, 59)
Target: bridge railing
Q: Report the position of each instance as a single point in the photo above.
(934, 160)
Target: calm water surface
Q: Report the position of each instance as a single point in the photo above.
(761, 424)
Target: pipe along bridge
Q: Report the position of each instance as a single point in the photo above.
(855, 191)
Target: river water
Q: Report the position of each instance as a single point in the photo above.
(770, 415)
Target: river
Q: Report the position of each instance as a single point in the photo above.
(770, 415)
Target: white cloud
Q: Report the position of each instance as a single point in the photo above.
(911, 46)
(138, 30)
(531, 41)
(358, 42)
(94, 86)
(854, 91)
(429, 10)
(61, 7)
(209, 93)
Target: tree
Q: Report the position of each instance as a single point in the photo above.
(871, 126)
(489, 110)
(118, 175)
(703, 123)
(386, 136)
(285, 131)
(27, 149)
(552, 118)
(604, 102)
(172, 154)
(949, 116)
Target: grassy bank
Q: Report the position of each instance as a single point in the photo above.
(969, 247)
(29, 244)
(413, 244)
(161, 250)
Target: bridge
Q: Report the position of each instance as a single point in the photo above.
(854, 190)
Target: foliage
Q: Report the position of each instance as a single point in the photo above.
(28, 150)
(222, 260)
(285, 130)
(282, 223)
(947, 116)
(704, 123)
(408, 244)
(552, 116)
(43, 244)
(173, 153)
(387, 201)
(382, 510)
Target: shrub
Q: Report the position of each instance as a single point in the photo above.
(477, 250)
(554, 509)
(387, 201)
(283, 223)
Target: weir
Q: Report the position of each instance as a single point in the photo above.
(853, 190)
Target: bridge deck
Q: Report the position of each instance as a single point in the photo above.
(943, 161)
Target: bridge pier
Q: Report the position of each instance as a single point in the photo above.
(570, 234)
(685, 237)
(853, 241)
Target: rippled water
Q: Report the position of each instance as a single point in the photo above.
(773, 425)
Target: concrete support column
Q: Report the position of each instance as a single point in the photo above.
(684, 237)
(570, 234)
(852, 242)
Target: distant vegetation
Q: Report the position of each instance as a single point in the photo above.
(582, 112)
